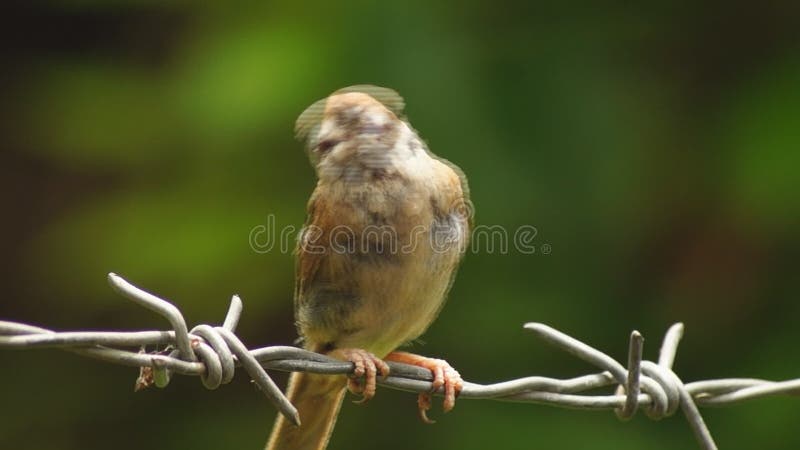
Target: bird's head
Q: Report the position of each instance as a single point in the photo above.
(353, 132)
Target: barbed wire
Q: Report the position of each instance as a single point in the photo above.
(213, 353)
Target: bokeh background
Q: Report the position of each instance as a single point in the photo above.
(655, 148)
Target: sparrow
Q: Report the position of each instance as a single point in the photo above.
(388, 224)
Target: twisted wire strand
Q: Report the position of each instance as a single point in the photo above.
(213, 353)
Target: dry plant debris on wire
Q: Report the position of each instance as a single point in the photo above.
(213, 353)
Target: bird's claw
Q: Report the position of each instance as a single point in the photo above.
(445, 378)
(366, 365)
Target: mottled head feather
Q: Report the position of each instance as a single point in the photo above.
(388, 97)
(309, 120)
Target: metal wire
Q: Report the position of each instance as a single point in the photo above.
(213, 353)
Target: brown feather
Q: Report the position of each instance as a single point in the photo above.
(317, 399)
(380, 183)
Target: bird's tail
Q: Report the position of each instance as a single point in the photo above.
(317, 399)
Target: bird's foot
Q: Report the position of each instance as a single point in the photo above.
(367, 366)
(444, 377)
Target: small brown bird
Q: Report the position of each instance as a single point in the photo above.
(388, 224)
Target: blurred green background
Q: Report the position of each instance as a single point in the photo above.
(655, 148)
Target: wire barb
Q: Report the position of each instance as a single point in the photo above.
(217, 354)
(213, 353)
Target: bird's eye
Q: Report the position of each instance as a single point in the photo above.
(326, 145)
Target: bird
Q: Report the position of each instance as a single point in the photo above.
(387, 226)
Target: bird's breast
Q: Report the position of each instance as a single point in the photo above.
(401, 258)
